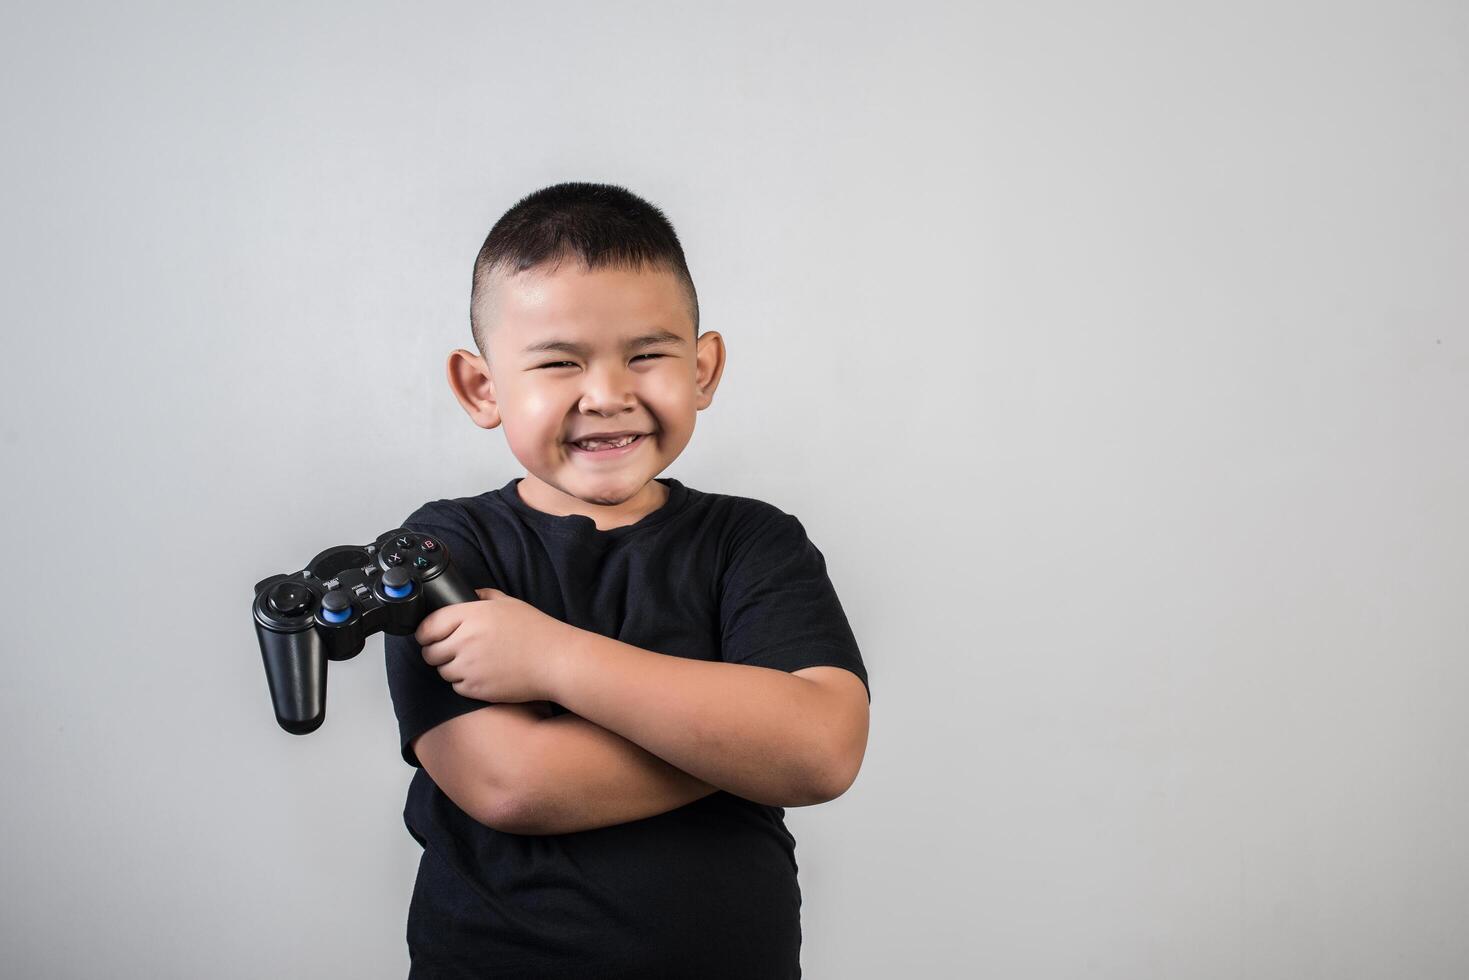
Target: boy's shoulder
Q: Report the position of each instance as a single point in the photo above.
(736, 506)
(742, 526)
(455, 515)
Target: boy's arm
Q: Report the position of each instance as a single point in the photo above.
(580, 776)
(512, 768)
(783, 739)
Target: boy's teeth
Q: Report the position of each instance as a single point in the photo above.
(605, 443)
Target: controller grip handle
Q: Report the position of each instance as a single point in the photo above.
(447, 588)
(295, 667)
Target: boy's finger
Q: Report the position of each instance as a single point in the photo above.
(436, 625)
(437, 654)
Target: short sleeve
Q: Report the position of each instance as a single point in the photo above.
(421, 698)
(778, 608)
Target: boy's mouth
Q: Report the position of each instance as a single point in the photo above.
(605, 447)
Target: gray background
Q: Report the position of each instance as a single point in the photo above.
(1114, 355)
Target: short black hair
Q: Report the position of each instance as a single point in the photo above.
(602, 225)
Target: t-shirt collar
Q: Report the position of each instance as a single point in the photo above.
(580, 523)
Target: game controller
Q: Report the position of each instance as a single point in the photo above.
(327, 611)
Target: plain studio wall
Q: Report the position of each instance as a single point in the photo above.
(1115, 356)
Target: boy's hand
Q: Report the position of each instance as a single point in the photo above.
(497, 649)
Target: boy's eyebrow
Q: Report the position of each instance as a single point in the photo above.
(566, 346)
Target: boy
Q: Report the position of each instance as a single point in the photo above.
(606, 741)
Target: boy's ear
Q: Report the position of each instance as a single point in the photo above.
(469, 379)
(709, 367)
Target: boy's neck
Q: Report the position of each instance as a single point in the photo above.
(543, 497)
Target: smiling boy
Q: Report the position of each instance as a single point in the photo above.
(607, 740)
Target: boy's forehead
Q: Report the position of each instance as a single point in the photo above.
(571, 298)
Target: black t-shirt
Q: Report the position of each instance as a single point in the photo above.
(707, 890)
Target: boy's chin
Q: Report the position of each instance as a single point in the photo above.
(606, 501)
(599, 489)
(608, 491)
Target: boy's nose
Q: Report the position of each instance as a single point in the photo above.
(606, 392)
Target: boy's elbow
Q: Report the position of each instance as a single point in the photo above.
(822, 783)
(508, 813)
(491, 785)
(837, 781)
(841, 767)
(844, 722)
(511, 804)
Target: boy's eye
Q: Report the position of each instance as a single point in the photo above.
(571, 364)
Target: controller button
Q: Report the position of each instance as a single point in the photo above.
(421, 562)
(393, 558)
(288, 599)
(428, 544)
(405, 541)
(336, 606)
(397, 583)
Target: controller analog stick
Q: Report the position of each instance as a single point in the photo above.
(336, 606)
(397, 583)
(289, 600)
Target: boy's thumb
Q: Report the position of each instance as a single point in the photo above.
(488, 593)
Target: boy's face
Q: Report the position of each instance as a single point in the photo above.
(574, 353)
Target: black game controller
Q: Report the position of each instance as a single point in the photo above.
(328, 609)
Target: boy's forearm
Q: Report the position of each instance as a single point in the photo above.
(577, 775)
(756, 732)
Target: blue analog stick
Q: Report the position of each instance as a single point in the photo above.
(397, 583)
(336, 606)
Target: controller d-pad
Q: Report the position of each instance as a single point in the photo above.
(289, 599)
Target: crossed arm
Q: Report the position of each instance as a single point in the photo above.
(649, 733)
